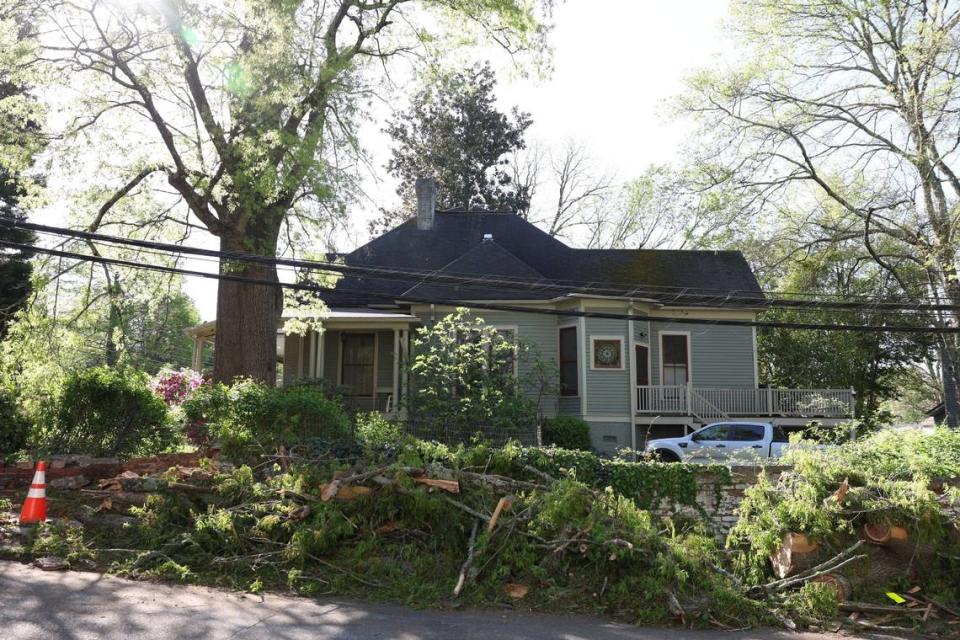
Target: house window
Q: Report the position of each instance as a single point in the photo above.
(675, 354)
(607, 352)
(569, 369)
(356, 364)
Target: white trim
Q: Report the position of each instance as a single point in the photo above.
(606, 418)
(756, 371)
(570, 325)
(321, 339)
(633, 379)
(621, 339)
(396, 367)
(376, 368)
(689, 353)
(300, 341)
(582, 345)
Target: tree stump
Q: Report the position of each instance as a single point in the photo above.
(797, 553)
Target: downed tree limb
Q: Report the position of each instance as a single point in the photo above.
(502, 505)
(500, 484)
(866, 607)
(332, 488)
(450, 486)
(387, 482)
(830, 565)
(465, 571)
(537, 472)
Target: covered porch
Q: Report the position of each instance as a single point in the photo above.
(708, 404)
(358, 351)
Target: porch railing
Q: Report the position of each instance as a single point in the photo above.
(711, 403)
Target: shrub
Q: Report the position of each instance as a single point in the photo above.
(375, 431)
(567, 432)
(249, 415)
(14, 428)
(107, 411)
(175, 386)
(464, 376)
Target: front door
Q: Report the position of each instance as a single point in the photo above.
(642, 360)
(357, 363)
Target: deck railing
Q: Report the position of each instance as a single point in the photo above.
(711, 403)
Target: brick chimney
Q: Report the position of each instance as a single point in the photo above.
(426, 190)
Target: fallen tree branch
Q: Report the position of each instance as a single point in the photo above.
(471, 552)
(537, 472)
(345, 572)
(832, 564)
(866, 607)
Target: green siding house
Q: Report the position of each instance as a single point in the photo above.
(630, 379)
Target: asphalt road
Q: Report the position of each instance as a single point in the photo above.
(73, 605)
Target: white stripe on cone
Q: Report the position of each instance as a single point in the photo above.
(35, 493)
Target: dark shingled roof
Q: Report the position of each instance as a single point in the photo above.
(518, 249)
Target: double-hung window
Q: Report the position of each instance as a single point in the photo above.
(569, 370)
(675, 354)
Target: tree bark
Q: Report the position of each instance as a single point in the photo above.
(247, 317)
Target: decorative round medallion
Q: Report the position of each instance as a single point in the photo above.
(607, 354)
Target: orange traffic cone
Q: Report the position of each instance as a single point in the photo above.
(35, 508)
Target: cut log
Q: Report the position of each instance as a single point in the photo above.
(797, 553)
(840, 584)
(877, 533)
(450, 486)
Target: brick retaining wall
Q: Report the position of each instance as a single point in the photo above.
(68, 471)
(718, 499)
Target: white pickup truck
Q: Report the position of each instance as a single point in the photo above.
(723, 441)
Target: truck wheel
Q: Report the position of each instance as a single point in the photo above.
(665, 455)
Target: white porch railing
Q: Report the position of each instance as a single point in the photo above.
(709, 403)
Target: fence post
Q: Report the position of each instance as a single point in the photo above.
(769, 401)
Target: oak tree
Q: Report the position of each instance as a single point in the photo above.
(245, 111)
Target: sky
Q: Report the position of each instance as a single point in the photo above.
(616, 64)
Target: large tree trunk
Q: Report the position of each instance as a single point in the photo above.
(247, 318)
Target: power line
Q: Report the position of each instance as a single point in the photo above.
(387, 297)
(729, 298)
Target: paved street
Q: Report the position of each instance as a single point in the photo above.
(73, 605)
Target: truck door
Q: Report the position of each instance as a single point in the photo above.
(748, 442)
(711, 442)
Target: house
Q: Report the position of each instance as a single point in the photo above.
(630, 379)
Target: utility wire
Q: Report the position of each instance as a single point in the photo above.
(391, 298)
(753, 299)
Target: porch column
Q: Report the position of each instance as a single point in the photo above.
(396, 369)
(312, 364)
(321, 339)
(631, 353)
(403, 383)
(197, 362)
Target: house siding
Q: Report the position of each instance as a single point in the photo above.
(385, 361)
(291, 357)
(721, 356)
(608, 391)
(607, 437)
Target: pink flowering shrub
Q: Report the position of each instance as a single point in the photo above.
(176, 386)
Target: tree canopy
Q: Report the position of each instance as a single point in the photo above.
(247, 112)
(453, 131)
